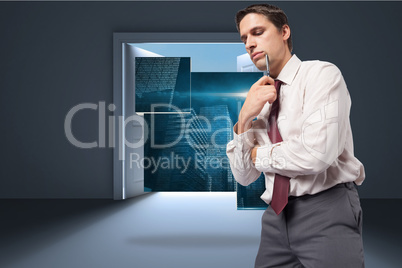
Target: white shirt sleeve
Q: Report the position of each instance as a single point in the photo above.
(322, 134)
(238, 151)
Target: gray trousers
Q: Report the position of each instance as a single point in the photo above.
(314, 231)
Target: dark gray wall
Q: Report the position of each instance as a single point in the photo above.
(55, 55)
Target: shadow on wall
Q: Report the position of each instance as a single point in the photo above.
(382, 234)
(194, 241)
(27, 225)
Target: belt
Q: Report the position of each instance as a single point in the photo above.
(348, 185)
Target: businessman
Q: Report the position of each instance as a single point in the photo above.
(294, 128)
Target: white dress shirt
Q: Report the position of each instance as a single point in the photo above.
(317, 147)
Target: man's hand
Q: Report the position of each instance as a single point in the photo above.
(260, 93)
(253, 154)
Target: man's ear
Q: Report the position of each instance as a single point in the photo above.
(285, 32)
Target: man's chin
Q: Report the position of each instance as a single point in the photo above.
(261, 67)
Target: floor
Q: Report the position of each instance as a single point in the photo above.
(161, 230)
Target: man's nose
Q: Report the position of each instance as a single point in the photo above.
(250, 43)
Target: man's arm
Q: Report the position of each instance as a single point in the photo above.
(238, 150)
(323, 129)
(260, 93)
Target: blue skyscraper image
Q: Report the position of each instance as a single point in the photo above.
(187, 148)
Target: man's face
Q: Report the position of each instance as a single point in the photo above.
(261, 37)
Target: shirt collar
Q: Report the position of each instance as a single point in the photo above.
(289, 71)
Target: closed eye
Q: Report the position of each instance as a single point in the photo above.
(255, 31)
(259, 32)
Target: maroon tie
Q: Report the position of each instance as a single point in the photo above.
(281, 183)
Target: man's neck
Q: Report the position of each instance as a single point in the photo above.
(275, 70)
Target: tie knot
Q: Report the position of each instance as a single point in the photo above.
(278, 84)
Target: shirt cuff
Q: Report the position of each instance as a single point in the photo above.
(245, 140)
(266, 159)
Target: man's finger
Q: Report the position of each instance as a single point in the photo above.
(265, 89)
(270, 97)
(265, 80)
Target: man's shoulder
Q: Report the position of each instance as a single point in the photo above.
(317, 64)
(318, 67)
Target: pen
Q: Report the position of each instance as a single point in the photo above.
(266, 60)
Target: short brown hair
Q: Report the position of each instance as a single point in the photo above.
(273, 13)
